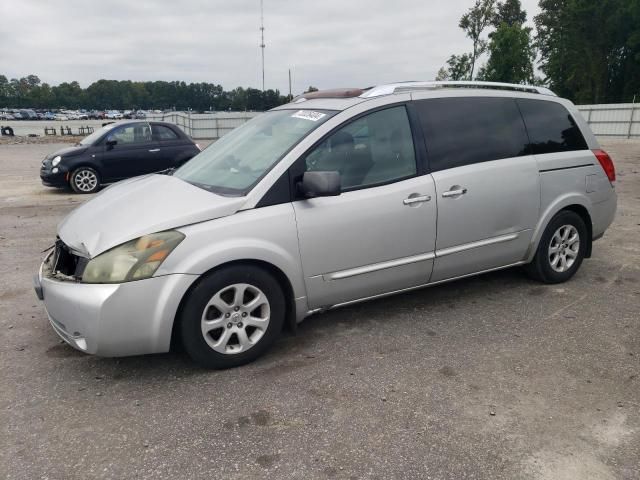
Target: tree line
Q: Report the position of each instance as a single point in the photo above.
(585, 50)
(31, 92)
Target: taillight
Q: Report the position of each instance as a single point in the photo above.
(606, 163)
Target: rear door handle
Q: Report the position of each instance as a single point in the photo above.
(154, 150)
(455, 193)
(418, 199)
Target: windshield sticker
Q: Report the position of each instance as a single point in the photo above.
(308, 115)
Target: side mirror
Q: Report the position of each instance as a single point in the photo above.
(320, 184)
(111, 142)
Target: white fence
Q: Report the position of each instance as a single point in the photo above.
(606, 120)
(613, 120)
(205, 125)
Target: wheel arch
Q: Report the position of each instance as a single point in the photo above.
(573, 203)
(85, 164)
(284, 282)
(586, 218)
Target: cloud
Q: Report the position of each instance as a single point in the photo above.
(327, 43)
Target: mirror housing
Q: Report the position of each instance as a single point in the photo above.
(320, 184)
(110, 142)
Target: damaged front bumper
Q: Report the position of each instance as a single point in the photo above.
(112, 320)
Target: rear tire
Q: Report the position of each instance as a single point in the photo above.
(232, 316)
(561, 249)
(85, 180)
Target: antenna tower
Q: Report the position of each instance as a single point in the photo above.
(262, 45)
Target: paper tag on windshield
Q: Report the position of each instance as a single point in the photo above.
(309, 115)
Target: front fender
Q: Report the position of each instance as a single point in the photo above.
(266, 234)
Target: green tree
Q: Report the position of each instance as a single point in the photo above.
(459, 68)
(511, 53)
(588, 52)
(509, 12)
(126, 94)
(5, 90)
(510, 56)
(474, 23)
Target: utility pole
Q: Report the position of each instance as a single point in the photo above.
(291, 96)
(262, 38)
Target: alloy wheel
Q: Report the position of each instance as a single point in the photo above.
(85, 180)
(564, 248)
(235, 318)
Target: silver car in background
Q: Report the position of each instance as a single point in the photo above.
(338, 197)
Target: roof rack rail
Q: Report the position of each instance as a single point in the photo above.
(417, 86)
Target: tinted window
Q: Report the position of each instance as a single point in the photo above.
(374, 149)
(466, 130)
(551, 127)
(161, 132)
(131, 134)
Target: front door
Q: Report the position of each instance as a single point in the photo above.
(487, 183)
(131, 155)
(378, 236)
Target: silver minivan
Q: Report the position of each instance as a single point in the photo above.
(337, 197)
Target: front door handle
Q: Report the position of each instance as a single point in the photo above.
(418, 199)
(154, 150)
(455, 192)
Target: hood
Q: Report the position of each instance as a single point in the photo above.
(139, 206)
(68, 152)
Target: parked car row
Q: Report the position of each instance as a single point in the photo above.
(65, 115)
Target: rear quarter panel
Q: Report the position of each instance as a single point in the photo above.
(573, 178)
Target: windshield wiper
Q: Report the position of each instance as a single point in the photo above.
(167, 171)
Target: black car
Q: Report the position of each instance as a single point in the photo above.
(117, 151)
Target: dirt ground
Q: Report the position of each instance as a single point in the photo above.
(494, 377)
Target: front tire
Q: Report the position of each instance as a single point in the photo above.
(232, 316)
(561, 249)
(85, 180)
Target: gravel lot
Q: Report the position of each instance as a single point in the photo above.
(495, 377)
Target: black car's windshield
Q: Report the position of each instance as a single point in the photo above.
(90, 139)
(235, 163)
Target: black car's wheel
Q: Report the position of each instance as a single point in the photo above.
(232, 316)
(85, 180)
(561, 249)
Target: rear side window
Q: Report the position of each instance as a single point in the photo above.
(466, 130)
(160, 132)
(551, 127)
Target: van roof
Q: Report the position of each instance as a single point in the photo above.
(343, 98)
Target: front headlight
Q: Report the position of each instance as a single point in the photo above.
(56, 161)
(134, 260)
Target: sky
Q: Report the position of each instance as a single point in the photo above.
(326, 43)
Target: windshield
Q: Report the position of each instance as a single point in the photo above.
(89, 140)
(236, 162)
